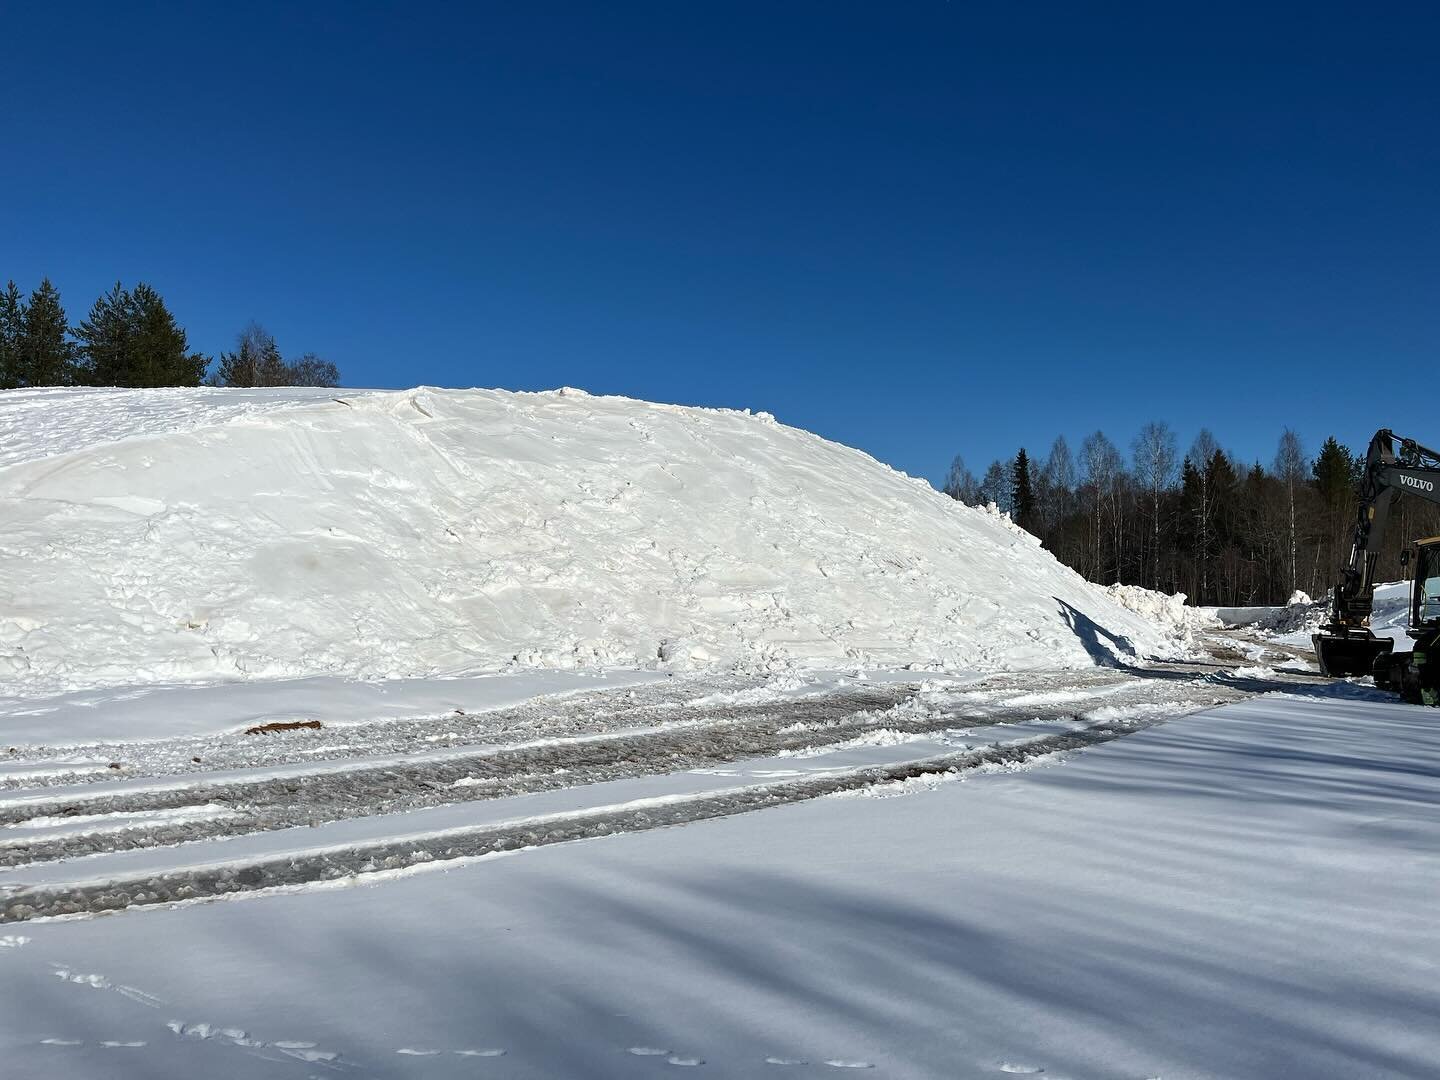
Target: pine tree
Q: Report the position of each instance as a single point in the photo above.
(106, 340)
(47, 356)
(12, 333)
(1024, 493)
(159, 355)
(1335, 471)
(271, 370)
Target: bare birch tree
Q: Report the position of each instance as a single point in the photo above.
(1153, 452)
(1290, 469)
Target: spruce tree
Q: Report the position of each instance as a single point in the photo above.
(1024, 493)
(12, 332)
(272, 370)
(47, 355)
(159, 355)
(1335, 473)
(107, 340)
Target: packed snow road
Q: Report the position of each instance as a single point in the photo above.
(206, 816)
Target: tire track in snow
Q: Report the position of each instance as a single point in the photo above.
(359, 860)
(721, 737)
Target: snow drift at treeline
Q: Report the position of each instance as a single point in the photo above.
(181, 535)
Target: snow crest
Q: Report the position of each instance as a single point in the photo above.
(189, 535)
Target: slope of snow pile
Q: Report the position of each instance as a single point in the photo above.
(187, 535)
(47, 421)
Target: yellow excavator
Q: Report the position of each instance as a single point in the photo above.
(1346, 645)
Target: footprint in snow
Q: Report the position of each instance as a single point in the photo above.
(314, 1057)
(96, 982)
(295, 1048)
(136, 994)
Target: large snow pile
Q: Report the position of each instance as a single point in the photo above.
(185, 535)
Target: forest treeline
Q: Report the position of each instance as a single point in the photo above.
(1204, 523)
(131, 338)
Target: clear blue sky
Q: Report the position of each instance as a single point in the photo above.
(918, 228)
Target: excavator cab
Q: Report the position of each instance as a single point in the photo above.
(1425, 588)
(1415, 675)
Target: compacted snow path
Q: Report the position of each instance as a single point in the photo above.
(331, 802)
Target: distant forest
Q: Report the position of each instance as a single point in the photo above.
(131, 339)
(1206, 524)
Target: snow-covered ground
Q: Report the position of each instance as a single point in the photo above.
(151, 537)
(639, 737)
(1242, 893)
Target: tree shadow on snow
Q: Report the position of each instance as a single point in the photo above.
(1105, 648)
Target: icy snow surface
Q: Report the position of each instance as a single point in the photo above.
(193, 535)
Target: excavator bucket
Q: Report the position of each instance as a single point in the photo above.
(1342, 656)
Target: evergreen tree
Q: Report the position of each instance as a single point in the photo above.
(47, 356)
(12, 333)
(159, 350)
(1024, 493)
(106, 340)
(1336, 472)
(272, 369)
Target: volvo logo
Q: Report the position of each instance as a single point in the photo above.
(1423, 485)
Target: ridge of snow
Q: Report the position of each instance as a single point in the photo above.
(192, 535)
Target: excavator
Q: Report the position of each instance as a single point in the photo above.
(1346, 646)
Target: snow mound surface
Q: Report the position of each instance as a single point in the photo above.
(183, 535)
(1165, 610)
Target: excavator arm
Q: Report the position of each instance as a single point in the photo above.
(1394, 466)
